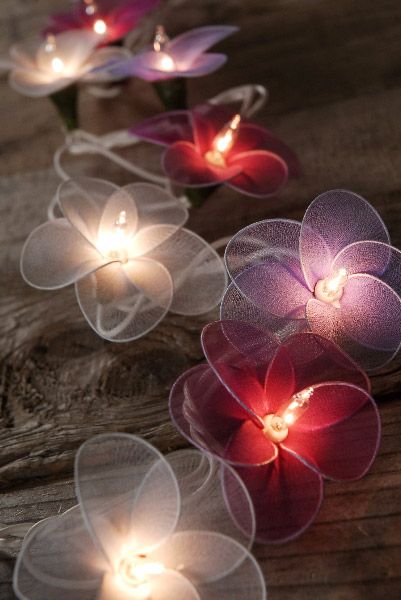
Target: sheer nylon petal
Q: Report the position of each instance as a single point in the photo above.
(128, 494)
(197, 271)
(36, 84)
(58, 560)
(274, 238)
(165, 129)
(188, 46)
(82, 201)
(56, 255)
(286, 495)
(155, 206)
(339, 433)
(123, 302)
(332, 221)
(183, 164)
(203, 501)
(205, 64)
(170, 584)
(262, 173)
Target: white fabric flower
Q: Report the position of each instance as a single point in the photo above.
(42, 67)
(128, 256)
(145, 527)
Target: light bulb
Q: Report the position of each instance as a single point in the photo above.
(50, 44)
(276, 426)
(90, 8)
(331, 289)
(137, 572)
(115, 243)
(160, 42)
(99, 27)
(57, 64)
(223, 142)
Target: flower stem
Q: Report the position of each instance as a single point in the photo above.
(198, 196)
(172, 93)
(66, 103)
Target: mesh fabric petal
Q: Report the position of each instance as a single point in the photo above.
(262, 173)
(185, 48)
(165, 129)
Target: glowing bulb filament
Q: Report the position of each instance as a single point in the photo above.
(331, 289)
(277, 425)
(99, 27)
(115, 243)
(223, 142)
(57, 65)
(137, 572)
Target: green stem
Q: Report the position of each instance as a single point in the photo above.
(198, 196)
(172, 93)
(66, 103)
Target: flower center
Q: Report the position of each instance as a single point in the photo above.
(160, 42)
(51, 59)
(276, 426)
(137, 572)
(115, 243)
(223, 142)
(99, 27)
(331, 289)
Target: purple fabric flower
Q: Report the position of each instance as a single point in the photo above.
(109, 19)
(183, 56)
(252, 160)
(335, 274)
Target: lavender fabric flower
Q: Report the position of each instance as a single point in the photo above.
(183, 56)
(335, 274)
(146, 527)
(128, 255)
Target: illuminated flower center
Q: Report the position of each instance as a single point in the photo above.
(331, 289)
(137, 572)
(223, 142)
(54, 62)
(99, 27)
(115, 244)
(277, 425)
(160, 42)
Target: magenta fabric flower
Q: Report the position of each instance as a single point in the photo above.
(335, 274)
(285, 415)
(183, 56)
(109, 19)
(209, 146)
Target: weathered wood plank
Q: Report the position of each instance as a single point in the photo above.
(333, 70)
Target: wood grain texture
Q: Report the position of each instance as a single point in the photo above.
(333, 68)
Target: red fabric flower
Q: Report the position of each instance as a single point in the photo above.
(285, 415)
(257, 163)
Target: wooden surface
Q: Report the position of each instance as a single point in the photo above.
(333, 68)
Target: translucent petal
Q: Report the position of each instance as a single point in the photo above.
(188, 46)
(247, 581)
(183, 164)
(128, 494)
(286, 495)
(56, 255)
(235, 306)
(82, 201)
(73, 47)
(304, 360)
(123, 302)
(262, 173)
(339, 433)
(373, 258)
(36, 84)
(170, 584)
(201, 556)
(367, 325)
(99, 66)
(197, 271)
(275, 287)
(274, 238)
(254, 137)
(155, 206)
(58, 560)
(332, 221)
(165, 129)
(203, 65)
(24, 53)
(239, 354)
(203, 502)
(208, 416)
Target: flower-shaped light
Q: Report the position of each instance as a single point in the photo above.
(284, 415)
(146, 527)
(183, 56)
(43, 67)
(335, 273)
(127, 254)
(210, 145)
(110, 20)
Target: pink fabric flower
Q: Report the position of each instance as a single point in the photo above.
(285, 415)
(256, 164)
(183, 56)
(335, 273)
(109, 19)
